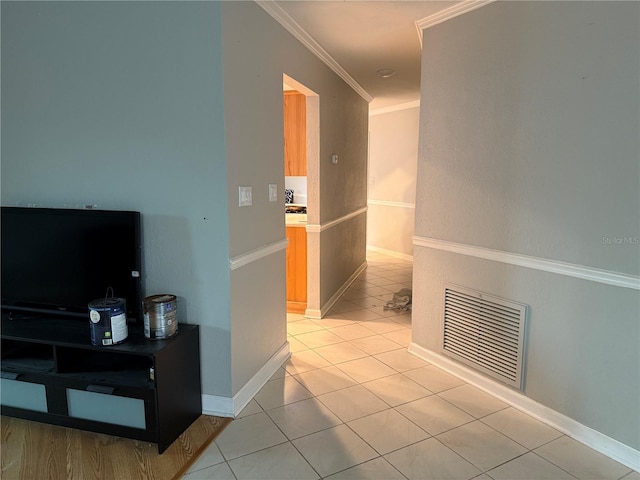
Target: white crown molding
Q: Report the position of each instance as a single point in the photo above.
(598, 441)
(449, 13)
(246, 258)
(394, 108)
(391, 204)
(280, 15)
(553, 266)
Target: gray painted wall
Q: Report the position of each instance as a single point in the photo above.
(546, 153)
(97, 109)
(342, 251)
(255, 57)
(166, 108)
(529, 144)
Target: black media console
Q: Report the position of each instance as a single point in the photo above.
(142, 389)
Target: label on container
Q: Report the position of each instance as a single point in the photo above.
(94, 315)
(119, 330)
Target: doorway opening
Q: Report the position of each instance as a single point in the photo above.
(303, 253)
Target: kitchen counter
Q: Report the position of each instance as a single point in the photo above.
(295, 219)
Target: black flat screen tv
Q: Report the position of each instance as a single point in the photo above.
(56, 261)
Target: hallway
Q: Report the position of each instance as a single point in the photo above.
(352, 403)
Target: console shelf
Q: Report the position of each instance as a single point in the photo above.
(143, 389)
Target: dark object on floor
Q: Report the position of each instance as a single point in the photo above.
(401, 300)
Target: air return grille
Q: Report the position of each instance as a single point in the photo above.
(485, 332)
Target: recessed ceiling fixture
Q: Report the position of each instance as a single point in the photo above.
(386, 72)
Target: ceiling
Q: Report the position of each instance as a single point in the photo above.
(361, 37)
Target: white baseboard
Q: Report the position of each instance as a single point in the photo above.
(336, 296)
(391, 253)
(313, 313)
(583, 434)
(231, 407)
(217, 405)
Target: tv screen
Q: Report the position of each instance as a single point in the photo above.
(58, 260)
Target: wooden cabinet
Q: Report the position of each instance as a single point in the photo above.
(295, 134)
(142, 389)
(296, 269)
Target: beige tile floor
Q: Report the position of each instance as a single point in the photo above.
(351, 403)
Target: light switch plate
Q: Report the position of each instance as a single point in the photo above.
(273, 192)
(244, 196)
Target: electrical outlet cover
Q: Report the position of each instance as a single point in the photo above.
(273, 192)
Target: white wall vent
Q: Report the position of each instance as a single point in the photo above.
(485, 332)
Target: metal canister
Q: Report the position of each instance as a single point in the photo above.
(108, 321)
(160, 316)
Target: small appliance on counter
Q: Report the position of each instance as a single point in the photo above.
(295, 209)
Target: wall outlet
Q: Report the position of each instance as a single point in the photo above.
(244, 196)
(273, 192)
